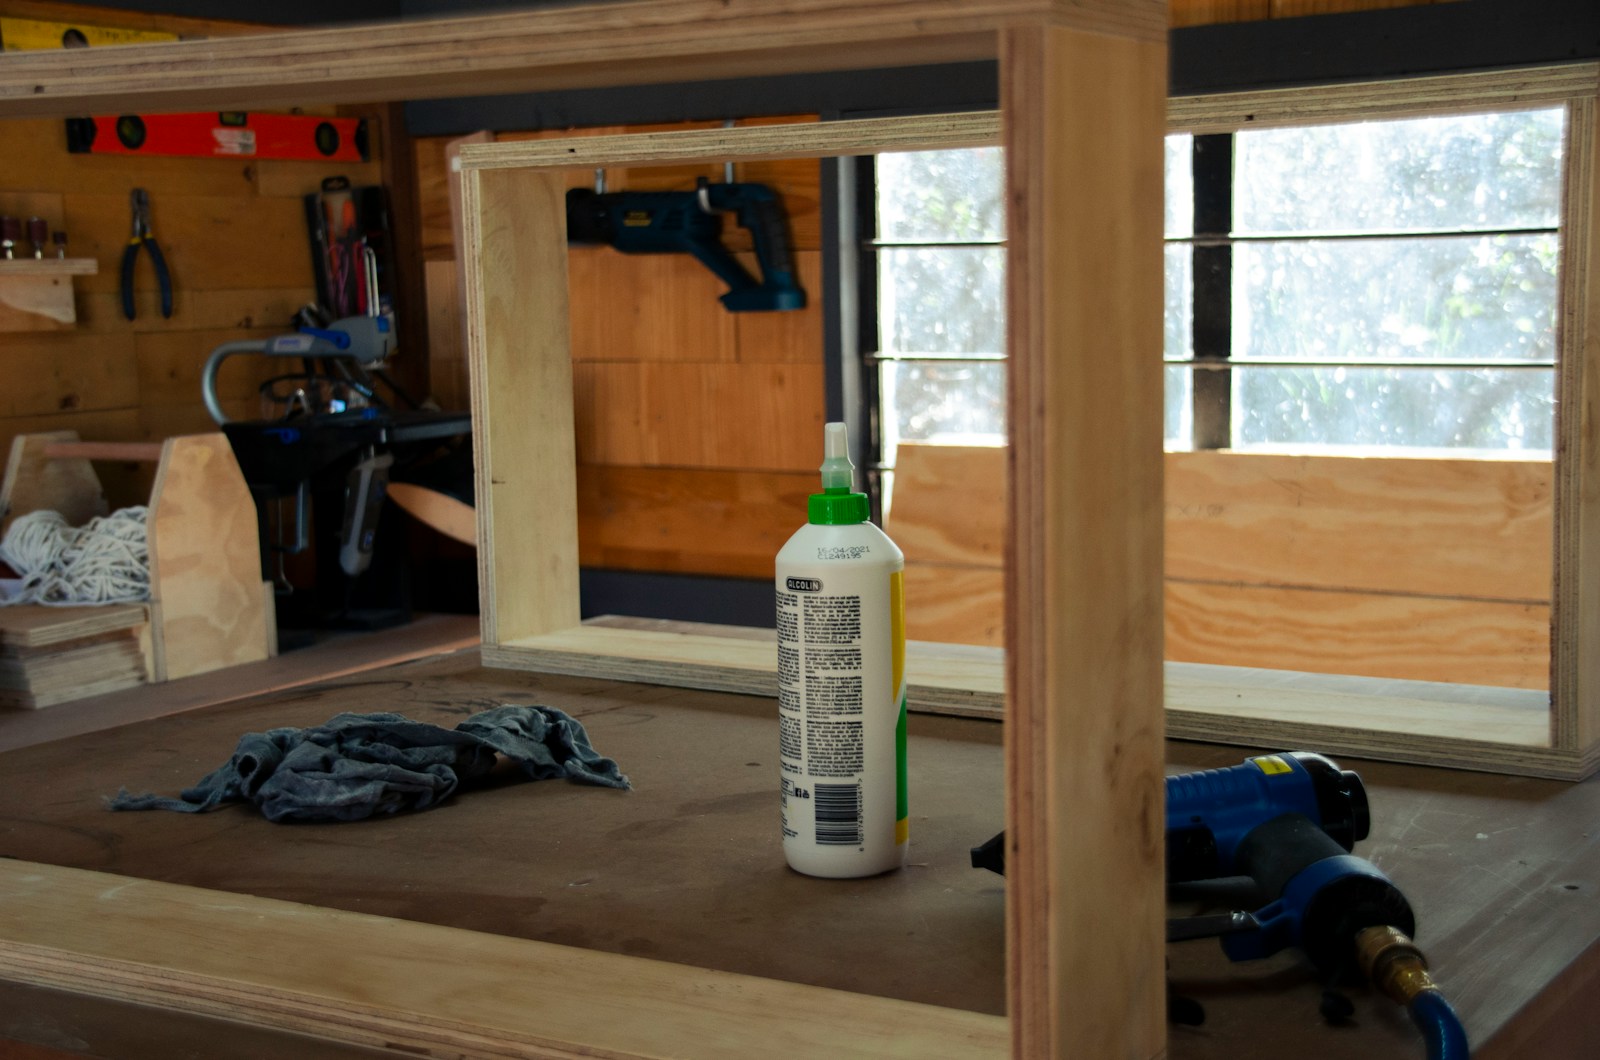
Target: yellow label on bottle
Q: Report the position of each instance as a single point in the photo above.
(1272, 765)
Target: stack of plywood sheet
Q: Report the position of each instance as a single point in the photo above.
(52, 655)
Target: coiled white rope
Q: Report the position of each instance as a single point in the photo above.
(105, 561)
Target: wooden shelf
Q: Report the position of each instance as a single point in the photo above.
(36, 293)
(48, 267)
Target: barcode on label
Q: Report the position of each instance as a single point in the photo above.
(838, 808)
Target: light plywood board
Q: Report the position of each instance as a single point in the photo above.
(1445, 527)
(170, 946)
(1472, 642)
(522, 387)
(541, 50)
(1575, 665)
(207, 597)
(1460, 726)
(1455, 527)
(35, 482)
(36, 303)
(37, 626)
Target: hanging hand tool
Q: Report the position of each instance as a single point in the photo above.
(141, 236)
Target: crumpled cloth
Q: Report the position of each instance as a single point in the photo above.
(356, 766)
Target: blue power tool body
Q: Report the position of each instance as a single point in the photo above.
(1288, 822)
(690, 222)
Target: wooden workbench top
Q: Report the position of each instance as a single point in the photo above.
(687, 867)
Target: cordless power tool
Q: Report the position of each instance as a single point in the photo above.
(690, 222)
(1289, 822)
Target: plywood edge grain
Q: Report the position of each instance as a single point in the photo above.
(566, 46)
(245, 959)
(1393, 98)
(745, 143)
(1457, 726)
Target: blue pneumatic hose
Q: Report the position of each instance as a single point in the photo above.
(1440, 1026)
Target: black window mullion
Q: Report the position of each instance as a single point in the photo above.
(1213, 290)
(869, 429)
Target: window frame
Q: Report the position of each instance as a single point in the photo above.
(1214, 122)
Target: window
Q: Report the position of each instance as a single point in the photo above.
(1387, 285)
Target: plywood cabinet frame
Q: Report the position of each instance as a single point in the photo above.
(1082, 117)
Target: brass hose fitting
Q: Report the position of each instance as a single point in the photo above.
(1393, 963)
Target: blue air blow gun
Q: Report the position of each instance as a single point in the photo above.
(1289, 822)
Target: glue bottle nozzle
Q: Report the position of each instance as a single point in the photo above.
(838, 474)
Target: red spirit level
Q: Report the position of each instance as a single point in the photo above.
(228, 134)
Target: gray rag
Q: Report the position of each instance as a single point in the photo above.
(357, 765)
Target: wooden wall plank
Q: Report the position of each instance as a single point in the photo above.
(792, 335)
(209, 241)
(59, 372)
(753, 416)
(193, 310)
(646, 307)
(1083, 137)
(170, 365)
(291, 179)
(688, 521)
(433, 197)
(447, 354)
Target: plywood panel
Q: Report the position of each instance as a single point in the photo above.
(791, 335)
(522, 407)
(956, 605)
(646, 307)
(209, 606)
(1083, 617)
(949, 505)
(1450, 527)
(688, 521)
(1372, 635)
(170, 366)
(210, 242)
(66, 371)
(752, 416)
(1458, 528)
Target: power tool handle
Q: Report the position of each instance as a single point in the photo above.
(1276, 851)
(769, 231)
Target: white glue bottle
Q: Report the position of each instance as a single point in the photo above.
(841, 683)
